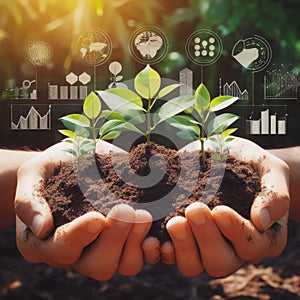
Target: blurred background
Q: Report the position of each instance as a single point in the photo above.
(58, 23)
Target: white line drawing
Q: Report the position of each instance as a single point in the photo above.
(264, 122)
(204, 47)
(253, 53)
(33, 120)
(233, 90)
(281, 83)
(148, 45)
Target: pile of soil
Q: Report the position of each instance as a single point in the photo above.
(72, 193)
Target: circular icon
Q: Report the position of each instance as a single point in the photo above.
(148, 45)
(94, 47)
(253, 53)
(204, 47)
(38, 53)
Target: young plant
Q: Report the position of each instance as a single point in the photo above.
(203, 124)
(222, 144)
(83, 129)
(131, 108)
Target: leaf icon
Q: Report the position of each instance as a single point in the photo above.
(115, 68)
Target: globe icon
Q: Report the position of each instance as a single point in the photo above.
(94, 47)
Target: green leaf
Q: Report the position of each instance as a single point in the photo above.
(71, 151)
(222, 102)
(217, 156)
(167, 90)
(86, 142)
(229, 139)
(184, 123)
(213, 139)
(86, 147)
(202, 99)
(127, 94)
(111, 115)
(75, 120)
(82, 132)
(108, 126)
(227, 132)
(147, 83)
(67, 133)
(69, 141)
(92, 106)
(187, 134)
(172, 108)
(117, 125)
(111, 135)
(117, 103)
(220, 123)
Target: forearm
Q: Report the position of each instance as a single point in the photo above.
(292, 157)
(10, 161)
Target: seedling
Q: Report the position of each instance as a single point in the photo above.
(134, 107)
(204, 124)
(83, 129)
(222, 144)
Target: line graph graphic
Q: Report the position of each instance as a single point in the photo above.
(31, 119)
(233, 89)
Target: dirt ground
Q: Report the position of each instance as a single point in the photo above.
(274, 279)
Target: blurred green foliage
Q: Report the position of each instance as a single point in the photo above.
(60, 21)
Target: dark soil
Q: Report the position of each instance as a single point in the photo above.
(71, 194)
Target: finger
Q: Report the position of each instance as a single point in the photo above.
(168, 253)
(273, 202)
(151, 249)
(248, 242)
(186, 250)
(132, 259)
(66, 244)
(101, 259)
(217, 255)
(30, 206)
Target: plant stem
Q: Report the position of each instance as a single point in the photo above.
(202, 152)
(202, 139)
(147, 135)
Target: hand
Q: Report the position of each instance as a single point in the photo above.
(225, 239)
(91, 245)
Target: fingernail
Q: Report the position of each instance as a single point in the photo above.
(265, 218)
(37, 224)
(195, 213)
(94, 227)
(224, 222)
(179, 231)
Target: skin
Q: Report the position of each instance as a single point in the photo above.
(221, 234)
(221, 241)
(91, 245)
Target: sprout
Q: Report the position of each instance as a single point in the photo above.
(206, 124)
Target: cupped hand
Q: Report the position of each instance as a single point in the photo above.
(92, 245)
(221, 241)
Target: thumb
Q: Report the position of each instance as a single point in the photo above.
(273, 201)
(30, 206)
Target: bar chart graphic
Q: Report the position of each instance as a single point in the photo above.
(281, 83)
(271, 120)
(30, 118)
